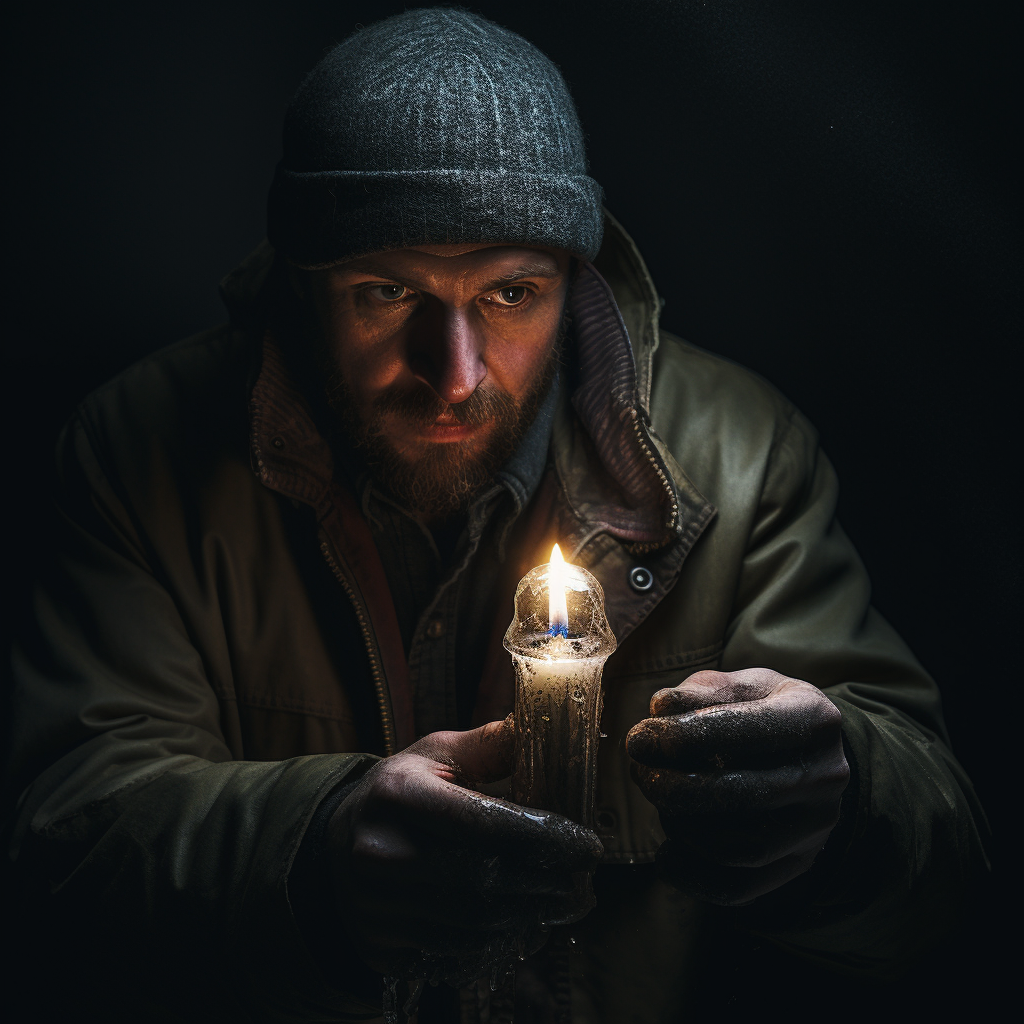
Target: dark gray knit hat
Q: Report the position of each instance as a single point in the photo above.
(432, 126)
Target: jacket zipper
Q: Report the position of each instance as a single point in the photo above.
(376, 668)
(638, 430)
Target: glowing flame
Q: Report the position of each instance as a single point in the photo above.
(558, 614)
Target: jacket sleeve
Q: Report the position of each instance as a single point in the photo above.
(898, 869)
(157, 864)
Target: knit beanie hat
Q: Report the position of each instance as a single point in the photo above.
(433, 126)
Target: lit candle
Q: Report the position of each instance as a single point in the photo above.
(559, 640)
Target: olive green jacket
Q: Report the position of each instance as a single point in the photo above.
(210, 651)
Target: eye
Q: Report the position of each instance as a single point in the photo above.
(514, 295)
(389, 292)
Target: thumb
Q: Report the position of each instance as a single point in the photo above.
(478, 755)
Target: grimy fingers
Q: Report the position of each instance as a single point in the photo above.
(795, 720)
(477, 755)
(749, 789)
(458, 817)
(707, 688)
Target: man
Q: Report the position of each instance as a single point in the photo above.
(264, 690)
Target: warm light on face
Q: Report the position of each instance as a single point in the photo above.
(558, 614)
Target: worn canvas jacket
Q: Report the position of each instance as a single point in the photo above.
(211, 649)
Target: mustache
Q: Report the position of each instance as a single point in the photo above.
(422, 406)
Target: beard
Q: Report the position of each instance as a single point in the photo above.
(442, 481)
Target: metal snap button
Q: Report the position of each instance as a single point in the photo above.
(641, 579)
(605, 819)
(278, 442)
(435, 629)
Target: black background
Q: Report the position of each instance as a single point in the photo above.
(822, 192)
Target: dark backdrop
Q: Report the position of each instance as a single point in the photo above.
(822, 192)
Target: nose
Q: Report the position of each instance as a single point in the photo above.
(447, 353)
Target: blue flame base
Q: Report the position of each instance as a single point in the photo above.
(562, 631)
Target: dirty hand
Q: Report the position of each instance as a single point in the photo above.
(436, 881)
(747, 771)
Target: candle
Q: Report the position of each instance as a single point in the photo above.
(559, 640)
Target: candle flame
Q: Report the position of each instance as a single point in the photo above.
(558, 614)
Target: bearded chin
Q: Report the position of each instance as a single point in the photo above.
(443, 481)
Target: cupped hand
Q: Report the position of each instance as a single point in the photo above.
(747, 771)
(434, 880)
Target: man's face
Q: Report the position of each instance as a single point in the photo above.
(436, 359)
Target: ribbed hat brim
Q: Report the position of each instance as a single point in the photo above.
(321, 218)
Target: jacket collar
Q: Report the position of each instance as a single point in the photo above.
(613, 475)
(617, 474)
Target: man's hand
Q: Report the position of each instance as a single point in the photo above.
(747, 771)
(435, 880)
